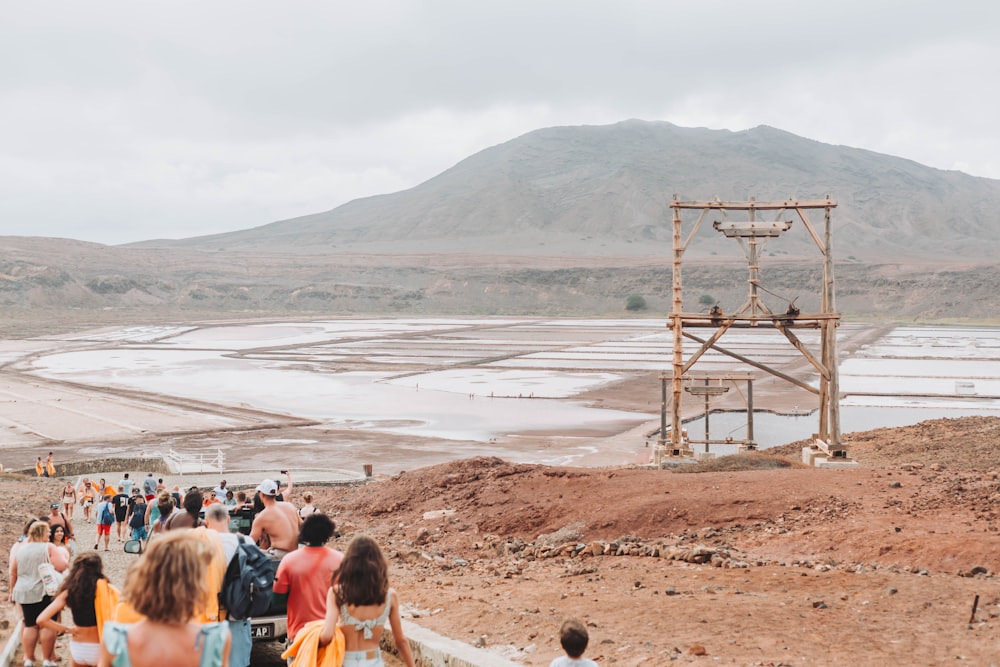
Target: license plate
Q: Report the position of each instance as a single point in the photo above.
(262, 631)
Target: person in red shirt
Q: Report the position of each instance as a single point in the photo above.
(304, 575)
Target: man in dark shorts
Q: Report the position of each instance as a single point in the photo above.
(120, 504)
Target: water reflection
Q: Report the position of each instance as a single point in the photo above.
(771, 430)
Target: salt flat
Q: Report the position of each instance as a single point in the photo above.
(430, 388)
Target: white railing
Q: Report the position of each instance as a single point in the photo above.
(184, 462)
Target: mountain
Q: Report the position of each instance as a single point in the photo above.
(605, 190)
(566, 221)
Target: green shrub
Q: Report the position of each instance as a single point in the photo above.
(635, 302)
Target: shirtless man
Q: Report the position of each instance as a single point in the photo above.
(275, 528)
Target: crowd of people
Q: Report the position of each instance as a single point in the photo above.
(169, 610)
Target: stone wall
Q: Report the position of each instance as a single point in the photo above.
(155, 465)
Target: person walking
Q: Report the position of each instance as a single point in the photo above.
(50, 465)
(136, 517)
(149, 487)
(105, 489)
(241, 643)
(359, 602)
(126, 484)
(69, 499)
(169, 587)
(91, 599)
(57, 536)
(305, 574)
(159, 513)
(190, 517)
(57, 518)
(88, 492)
(120, 504)
(105, 518)
(308, 508)
(28, 591)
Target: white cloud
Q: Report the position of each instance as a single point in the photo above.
(125, 121)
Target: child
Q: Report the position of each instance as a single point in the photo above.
(573, 637)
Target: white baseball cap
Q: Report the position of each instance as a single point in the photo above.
(268, 487)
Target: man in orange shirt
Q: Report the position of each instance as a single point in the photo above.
(304, 575)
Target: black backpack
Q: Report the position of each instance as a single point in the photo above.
(138, 516)
(246, 587)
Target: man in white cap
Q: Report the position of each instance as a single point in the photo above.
(275, 528)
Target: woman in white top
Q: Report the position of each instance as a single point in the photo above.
(69, 499)
(359, 602)
(29, 592)
(308, 508)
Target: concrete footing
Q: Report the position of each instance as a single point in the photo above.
(819, 458)
(13, 643)
(433, 650)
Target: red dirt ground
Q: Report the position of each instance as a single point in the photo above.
(875, 565)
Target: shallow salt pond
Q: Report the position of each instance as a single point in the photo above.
(435, 376)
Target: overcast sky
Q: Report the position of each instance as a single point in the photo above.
(131, 120)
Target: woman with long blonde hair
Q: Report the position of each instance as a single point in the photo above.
(169, 587)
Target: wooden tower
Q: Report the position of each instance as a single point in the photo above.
(751, 231)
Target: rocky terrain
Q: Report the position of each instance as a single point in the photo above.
(750, 560)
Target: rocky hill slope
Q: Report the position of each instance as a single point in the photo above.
(605, 190)
(49, 285)
(562, 221)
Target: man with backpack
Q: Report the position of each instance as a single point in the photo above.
(246, 585)
(136, 517)
(105, 519)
